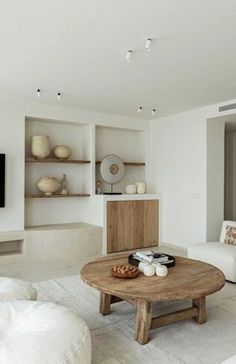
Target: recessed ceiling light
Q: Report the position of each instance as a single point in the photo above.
(128, 55)
(148, 44)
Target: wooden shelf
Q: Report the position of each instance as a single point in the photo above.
(131, 164)
(54, 160)
(57, 195)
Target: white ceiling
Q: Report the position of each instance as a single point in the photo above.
(78, 47)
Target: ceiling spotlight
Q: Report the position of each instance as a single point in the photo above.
(148, 44)
(153, 111)
(128, 55)
(139, 109)
(58, 96)
(38, 92)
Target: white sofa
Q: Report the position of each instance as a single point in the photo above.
(219, 254)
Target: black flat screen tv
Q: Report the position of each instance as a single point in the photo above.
(2, 180)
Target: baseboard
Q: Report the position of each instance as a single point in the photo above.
(173, 246)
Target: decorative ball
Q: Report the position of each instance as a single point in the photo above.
(48, 185)
(149, 270)
(161, 270)
(141, 266)
(62, 151)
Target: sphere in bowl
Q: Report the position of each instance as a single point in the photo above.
(124, 271)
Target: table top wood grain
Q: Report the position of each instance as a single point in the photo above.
(188, 279)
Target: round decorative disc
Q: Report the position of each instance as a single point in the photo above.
(112, 169)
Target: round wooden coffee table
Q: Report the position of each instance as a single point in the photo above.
(188, 279)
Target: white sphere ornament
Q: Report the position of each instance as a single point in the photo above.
(149, 270)
(48, 185)
(62, 151)
(161, 270)
(141, 266)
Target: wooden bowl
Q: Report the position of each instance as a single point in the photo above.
(132, 273)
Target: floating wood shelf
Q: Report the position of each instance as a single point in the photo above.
(57, 195)
(131, 164)
(54, 160)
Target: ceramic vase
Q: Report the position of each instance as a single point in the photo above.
(40, 146)
(141, 187)
(130, 189)
(149, 270)
(161, 270)
(62, 151)
(48, 185)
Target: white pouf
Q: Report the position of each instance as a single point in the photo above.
(42, 333)
(15, 289)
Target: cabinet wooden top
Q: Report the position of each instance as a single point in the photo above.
(188, 279)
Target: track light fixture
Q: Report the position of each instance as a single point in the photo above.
(128, 55)
(140, 109)
(58, 96)
(38, 92)
(148, 44)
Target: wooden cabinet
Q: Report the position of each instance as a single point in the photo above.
(132, 224)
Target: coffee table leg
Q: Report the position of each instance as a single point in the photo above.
(143, 321)
(105, 303)
(200, 303)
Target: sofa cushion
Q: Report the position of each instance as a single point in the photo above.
(223, 230)
(230, 236)
(223, 256)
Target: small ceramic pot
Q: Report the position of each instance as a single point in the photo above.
(149, 270)
(61, 151)
(48, 185)
(130, 188)
(141, 187)
(141, 266)
(161, 270)
(40, 146)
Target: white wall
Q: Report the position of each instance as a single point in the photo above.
(12, 144)
(215, 177)
(178, 170)
(187, 167)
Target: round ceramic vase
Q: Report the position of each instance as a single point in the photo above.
(48, 185)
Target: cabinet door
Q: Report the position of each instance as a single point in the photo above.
(132, 224)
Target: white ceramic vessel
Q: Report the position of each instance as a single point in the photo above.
(48, 185)
(62, 151)
(141, 187)
(161, 270)
(149, 270)
(130, 188)
(40, 147)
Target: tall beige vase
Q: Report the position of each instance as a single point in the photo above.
(40, 146)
